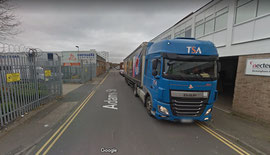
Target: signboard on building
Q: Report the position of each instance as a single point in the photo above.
(74, 58)
(260, 67)
(87, 57)
(71, 64)
(69, 57)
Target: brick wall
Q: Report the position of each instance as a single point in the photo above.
(252, 93)
(101, 67)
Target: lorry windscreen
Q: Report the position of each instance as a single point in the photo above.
(190, 70)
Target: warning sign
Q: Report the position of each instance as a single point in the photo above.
(48, 73)
(13, 77)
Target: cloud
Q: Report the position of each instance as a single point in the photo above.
(117, 27)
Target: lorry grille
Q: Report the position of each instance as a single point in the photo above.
(190, 107)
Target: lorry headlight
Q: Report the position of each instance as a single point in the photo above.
(208, 111)
(163, 110)
(205, 94)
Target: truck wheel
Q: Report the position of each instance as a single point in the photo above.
(149, 105)
(135, 90)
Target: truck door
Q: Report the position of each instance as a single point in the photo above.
(155, 80)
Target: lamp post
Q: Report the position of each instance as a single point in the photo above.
(78, 48)
(78, 51)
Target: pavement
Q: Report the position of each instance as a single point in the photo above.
(224, 102)
(240, 129)
(69, 87)
(108, 119)
(24, 133)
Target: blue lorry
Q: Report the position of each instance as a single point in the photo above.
(176, 79)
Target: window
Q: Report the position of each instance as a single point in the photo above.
(188, 32)
(246, 11)
(241, 2)
(263, 7)
(182, 34)
(221, 22)
(209, 17)
(179, 34)
(189, 70)
(168, 37)
(199, 30)
(158, 66)
(209, 26)
(222, 11)
(199, 22)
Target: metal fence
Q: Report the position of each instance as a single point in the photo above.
(78, 74)
(27, 80)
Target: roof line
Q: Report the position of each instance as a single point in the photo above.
(185, 18)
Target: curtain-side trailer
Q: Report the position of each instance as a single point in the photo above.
(134, 66)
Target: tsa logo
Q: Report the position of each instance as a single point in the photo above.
(194, 50)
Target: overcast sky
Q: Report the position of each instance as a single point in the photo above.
(117, 27)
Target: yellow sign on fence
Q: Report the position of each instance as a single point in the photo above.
(48, 73)
(13, 77)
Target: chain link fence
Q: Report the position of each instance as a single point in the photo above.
(27, 80)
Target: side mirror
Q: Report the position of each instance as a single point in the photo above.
(154, 73)
(154, 64)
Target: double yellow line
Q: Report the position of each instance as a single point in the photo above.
(48, 145)
(223, 140)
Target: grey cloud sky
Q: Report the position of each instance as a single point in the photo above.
(117, 27)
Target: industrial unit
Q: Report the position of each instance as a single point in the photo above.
(240, 31)
(104, 54)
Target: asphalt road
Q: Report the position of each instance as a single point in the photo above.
(128, 129)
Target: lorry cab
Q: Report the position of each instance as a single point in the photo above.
(180, 79)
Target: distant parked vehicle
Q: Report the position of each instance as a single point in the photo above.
(121, 72)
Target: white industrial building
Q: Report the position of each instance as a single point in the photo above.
(240, 29)
(104, 54)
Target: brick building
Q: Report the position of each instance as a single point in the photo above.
(252, 93)
(101, 65)
(240, 31)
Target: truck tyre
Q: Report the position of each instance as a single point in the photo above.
(149, 105)
(135, 90)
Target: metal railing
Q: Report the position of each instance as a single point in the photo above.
(27, 80)
(79, 74)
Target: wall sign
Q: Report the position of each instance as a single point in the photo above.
(48, 73)
(74, 58)
(72, 64)
(13, 77)
(260, 67)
